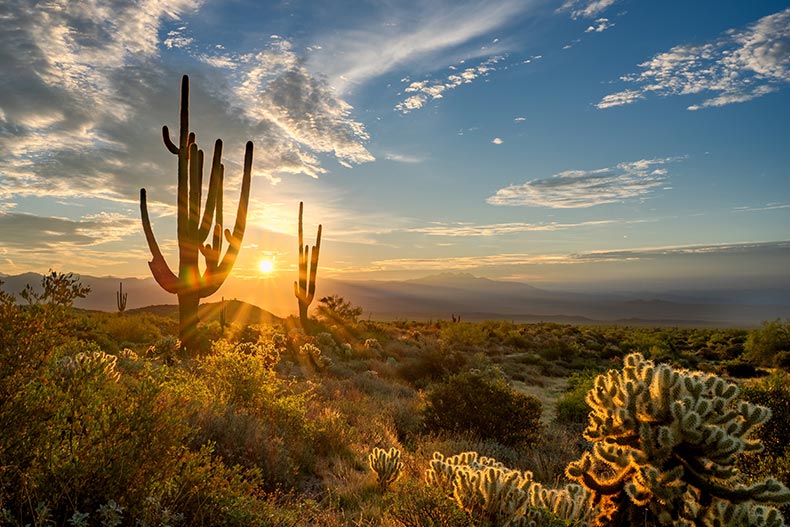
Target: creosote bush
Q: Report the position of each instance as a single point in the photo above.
(485, 405)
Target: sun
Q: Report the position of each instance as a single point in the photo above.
(266, 266)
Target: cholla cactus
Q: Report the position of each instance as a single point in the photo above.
(501, 497)
(387, 466)
(670, 438)
(372, 344)
(90, 364)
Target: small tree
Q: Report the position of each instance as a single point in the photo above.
(59, 289)
(336, 308)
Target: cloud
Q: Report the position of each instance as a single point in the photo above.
(497, 141)
(519, 119)
(601, 25)
(768, 206)
(522, 259)
(586, 8)
(499, 229)
(657, 252)
(277, 90)
(87, 86)
(28, 231)
(587, 188)
(403, 158)
(739, 66)
(434, 89)
(415, 34)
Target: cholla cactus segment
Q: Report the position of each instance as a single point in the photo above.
(671, 437)
(501, 497)
(386, 464)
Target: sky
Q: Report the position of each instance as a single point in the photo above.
(570, 143)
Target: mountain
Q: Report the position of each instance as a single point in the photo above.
(442, 295)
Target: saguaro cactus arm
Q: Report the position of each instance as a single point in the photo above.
(166, 278)
(215, 275)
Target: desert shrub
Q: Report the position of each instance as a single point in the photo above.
(418, 505)
(762, 345)
(740, 369)
(774, 393)
(431, 364)
(252, 417)
(572, 406)
(464, 335)
(665, 445)
(89, 436)
(135, 329)
(484, 405)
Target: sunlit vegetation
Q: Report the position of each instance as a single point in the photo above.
(105, 420)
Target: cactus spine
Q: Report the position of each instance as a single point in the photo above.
(190, 285)
(304, 289)
(669, 440)
(387, 466)
(120, 299)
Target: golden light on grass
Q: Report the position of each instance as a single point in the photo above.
(266, 266)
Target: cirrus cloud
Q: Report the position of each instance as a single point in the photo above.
(587, 188)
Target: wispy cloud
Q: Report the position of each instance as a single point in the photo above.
(609, 256)
(586, 8)
(739, 66)
(587, 188)
(768, 206)
(427, 90)
(419, 34)
(403, 158)
(600, 25)
(499, 229)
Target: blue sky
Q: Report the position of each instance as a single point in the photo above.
(557, 143)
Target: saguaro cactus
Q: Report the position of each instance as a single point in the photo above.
(304, 289)
(120, 299)
(665, 444)
(190, 285)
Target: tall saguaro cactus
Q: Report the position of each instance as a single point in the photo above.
(120, 299)
(193, 230)
(304, 290)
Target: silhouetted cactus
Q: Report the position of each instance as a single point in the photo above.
(222, 316)
(668, 440)
(190, 285)
(304, 289)
(120, 299)
(387, 466)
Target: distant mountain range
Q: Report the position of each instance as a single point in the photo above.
(442, 295)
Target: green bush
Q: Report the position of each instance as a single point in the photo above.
(485, 405)
(765, 343)
(572, 406)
